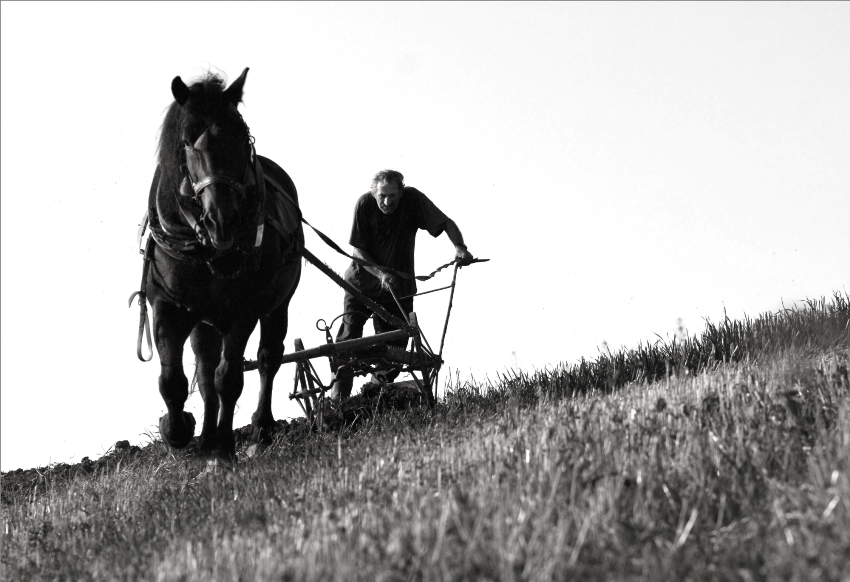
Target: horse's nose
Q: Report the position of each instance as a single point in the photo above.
(222, 222)
(221, 236)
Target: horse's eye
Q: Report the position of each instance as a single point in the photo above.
(187, 144)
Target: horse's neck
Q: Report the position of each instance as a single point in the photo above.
(165, 203)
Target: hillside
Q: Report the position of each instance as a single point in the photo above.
(725, 456)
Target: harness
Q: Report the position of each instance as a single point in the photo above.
(192, 243)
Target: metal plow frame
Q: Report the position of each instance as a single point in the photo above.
(361, 357)
(367, 355)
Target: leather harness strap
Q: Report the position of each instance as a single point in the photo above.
(261, 196)
(144, 323)
(218, 179)
(200, 231)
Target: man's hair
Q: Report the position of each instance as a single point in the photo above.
(387, 177)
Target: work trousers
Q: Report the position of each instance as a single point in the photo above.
(356, 314)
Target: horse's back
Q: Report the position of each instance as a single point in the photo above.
(282, 210)
(279, 176)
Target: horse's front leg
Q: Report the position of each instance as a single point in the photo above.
(206, 343)
(229, 381)
(172, 326)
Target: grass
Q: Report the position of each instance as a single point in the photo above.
(720, 457)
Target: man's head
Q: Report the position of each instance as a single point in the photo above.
(387, 188)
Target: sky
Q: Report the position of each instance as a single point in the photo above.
(627, 167)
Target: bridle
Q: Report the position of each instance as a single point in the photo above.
(220, 178)
(198, 186)
(189, 201)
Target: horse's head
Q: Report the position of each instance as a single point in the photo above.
(211, 153)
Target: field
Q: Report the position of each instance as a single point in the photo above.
(723, 456)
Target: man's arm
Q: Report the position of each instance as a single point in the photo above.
(462, 254)
(436, 222)
(387, 280)
(361, 254)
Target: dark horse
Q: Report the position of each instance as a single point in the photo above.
(228, 238)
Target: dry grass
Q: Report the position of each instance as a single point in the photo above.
(735, 471)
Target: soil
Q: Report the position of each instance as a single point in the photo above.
(373, 399)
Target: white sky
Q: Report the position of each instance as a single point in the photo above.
(623, 165)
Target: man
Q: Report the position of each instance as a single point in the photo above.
(386, 220)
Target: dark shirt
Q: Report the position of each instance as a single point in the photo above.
(391, 238)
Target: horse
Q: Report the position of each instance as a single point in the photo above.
(224, 253)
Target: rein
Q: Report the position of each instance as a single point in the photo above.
(328, 241)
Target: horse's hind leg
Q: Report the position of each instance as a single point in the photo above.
(273, 329)
(269, 355)
(206, 343)
(171, 328)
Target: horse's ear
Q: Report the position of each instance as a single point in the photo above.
(180, 91)
(234, 92)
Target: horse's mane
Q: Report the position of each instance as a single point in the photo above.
(205, 106)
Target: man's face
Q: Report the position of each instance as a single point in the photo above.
(387, 196)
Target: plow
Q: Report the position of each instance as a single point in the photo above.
(371, 355)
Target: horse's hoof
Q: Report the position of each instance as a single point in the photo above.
(206, 447)
(177, 437)
(264, 427)
(199, 453)
(262, 435)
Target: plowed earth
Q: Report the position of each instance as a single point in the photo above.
(350, 415)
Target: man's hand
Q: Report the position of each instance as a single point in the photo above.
(463, 256)
(388, 281)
